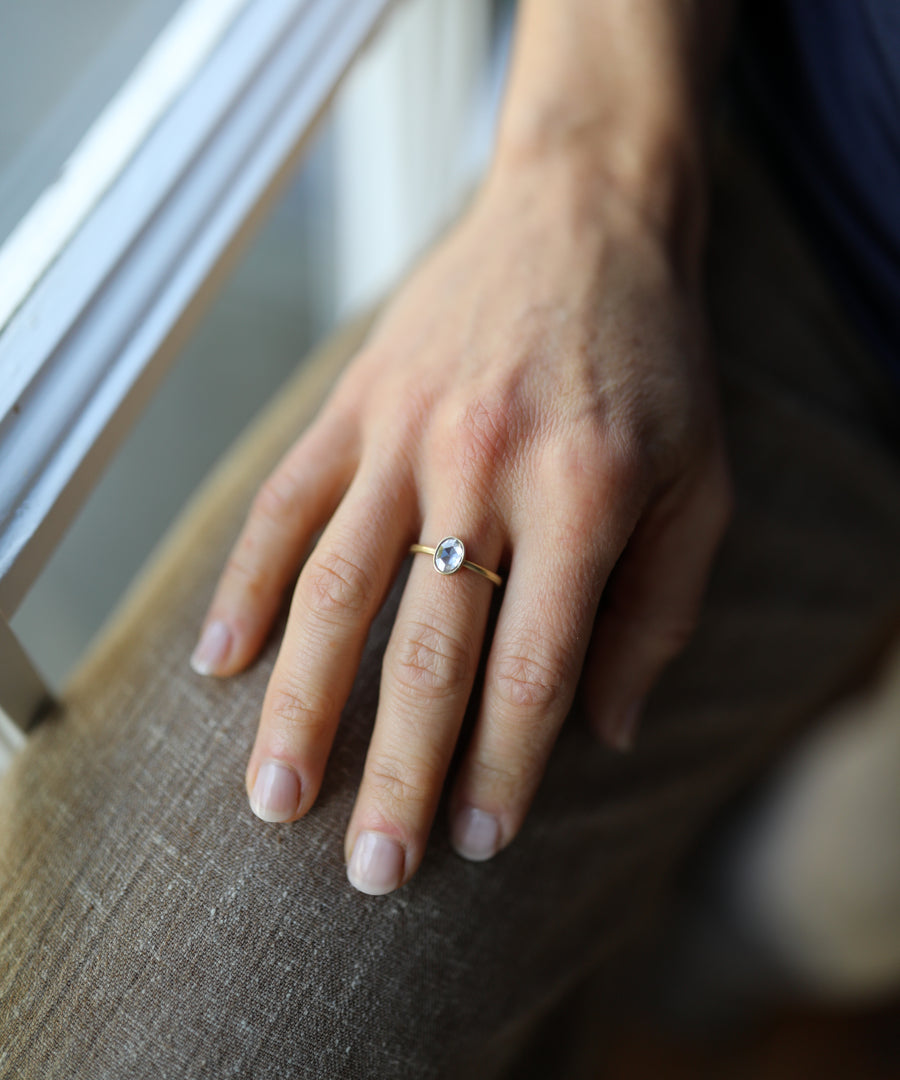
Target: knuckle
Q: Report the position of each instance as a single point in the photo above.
(332, 584)
(653, 634)
(430, 662)
(275, 501)
(245, 572)
(395, 786)
(574, 464)
(485, 428)
(628, 459)
(670, 636)
(503, 777)
(476, 438)
(588, 470)
(525, 679)
(656, 436)
(508, 772)
(291, 708)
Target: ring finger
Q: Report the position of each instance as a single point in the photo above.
(429, 669)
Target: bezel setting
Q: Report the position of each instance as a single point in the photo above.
(449, 555)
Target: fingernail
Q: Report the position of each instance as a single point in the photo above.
(276, 793)
(212, 648)
(621, 730)
(376, 865)
(475, 834)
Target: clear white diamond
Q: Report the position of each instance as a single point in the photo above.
(449, 555)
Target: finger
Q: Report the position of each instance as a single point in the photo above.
(532, 671)
(652, 604)
(429, 668)
(296, 499)
(340, 588)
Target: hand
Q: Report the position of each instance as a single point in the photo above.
(539, 388)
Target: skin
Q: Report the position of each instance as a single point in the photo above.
(541, 387)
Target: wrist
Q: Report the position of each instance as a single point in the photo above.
(616, 93)
(657, 174)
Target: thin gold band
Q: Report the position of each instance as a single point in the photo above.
(495, 579)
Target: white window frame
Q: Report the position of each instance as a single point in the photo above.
(105, 275)
(102, 279)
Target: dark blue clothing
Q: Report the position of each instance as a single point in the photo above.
(819, 81)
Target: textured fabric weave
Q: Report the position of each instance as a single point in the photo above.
(150, 926)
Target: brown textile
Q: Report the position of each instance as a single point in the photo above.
(150, 926)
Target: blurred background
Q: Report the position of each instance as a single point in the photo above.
(799, 902)
(386, 170)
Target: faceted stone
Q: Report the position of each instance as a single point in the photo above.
(449, 555)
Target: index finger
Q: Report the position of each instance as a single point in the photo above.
(338, 593)
(297, 497)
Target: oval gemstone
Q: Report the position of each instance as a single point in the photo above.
(449, 555)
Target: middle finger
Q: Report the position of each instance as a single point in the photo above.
(429, 669)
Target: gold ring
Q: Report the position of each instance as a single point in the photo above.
(450, 556)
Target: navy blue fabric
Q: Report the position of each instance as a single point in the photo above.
(819, 81)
